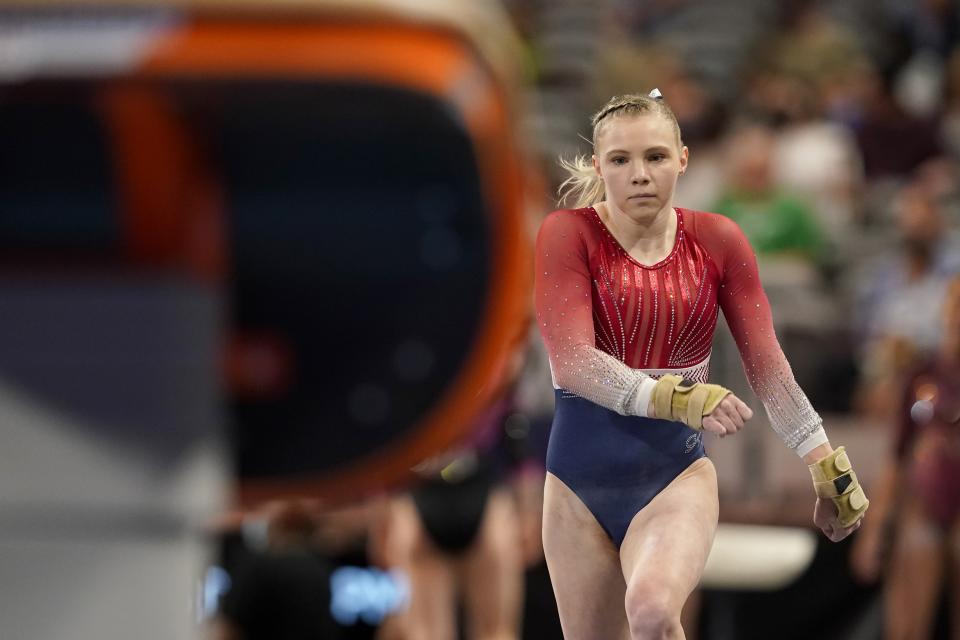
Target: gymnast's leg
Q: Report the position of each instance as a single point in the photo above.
(492, 573)
(915, 574)
(665, 550)
(954, 596)
(584, 567)
(433, 587)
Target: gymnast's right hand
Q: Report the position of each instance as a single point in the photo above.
(700, 406)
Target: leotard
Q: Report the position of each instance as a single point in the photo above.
(610, 322)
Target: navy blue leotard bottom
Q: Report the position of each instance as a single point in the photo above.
(616, 464)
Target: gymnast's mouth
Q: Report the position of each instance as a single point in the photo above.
(640, 196)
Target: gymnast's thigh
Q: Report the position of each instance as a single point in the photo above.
(669, 540)
(491, 572)
(916, 572)
(431, 612)
(953, 549)
(584, 567)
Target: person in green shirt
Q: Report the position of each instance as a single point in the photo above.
(776, 223)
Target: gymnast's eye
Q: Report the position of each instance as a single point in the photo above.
(618, 160)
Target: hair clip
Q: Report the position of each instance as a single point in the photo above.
(656, 95)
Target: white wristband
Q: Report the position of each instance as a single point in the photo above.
(813, 441)
(644, 393)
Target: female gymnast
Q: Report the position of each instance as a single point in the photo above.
(628, 289)
(914, 534)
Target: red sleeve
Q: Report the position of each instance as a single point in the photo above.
(565, 319)
(747, 311)
(564, 310)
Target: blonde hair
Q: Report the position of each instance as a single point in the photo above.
(584, 186)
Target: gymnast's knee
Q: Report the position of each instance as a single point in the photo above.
(650, 611)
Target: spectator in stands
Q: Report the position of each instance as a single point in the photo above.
(913, 277)
(813, 157)
(892, 141)
(775, 222)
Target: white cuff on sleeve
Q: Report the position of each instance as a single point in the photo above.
(813, 441)
(644, 393)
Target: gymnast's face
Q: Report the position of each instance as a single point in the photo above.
(639, 158)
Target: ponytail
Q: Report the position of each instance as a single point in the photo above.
(583, 187)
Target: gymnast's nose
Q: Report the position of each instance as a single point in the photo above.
(640, 174)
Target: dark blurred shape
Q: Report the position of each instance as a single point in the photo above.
(298, 220)
(56, 153)
(346, 173)
(357, 224)
(282, 588)
(109, 381)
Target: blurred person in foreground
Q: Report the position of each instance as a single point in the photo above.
(628, 290)
(913, 538)
(465, 534)
(281, 588)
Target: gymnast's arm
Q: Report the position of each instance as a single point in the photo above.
(747, 311)
(565, 319)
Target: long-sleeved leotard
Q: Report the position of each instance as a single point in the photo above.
(611, 324)
(609, 321)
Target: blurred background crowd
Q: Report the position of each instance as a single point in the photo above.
(828, 130)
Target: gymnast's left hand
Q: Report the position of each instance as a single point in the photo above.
(825, 517)
(728, 417)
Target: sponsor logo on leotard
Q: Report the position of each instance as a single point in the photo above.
(692, 441)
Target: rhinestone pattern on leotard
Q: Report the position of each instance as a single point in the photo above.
(609, 321)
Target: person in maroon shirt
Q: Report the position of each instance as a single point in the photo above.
(915, 536)
(628, 289)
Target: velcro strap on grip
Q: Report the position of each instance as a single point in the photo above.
(663, 396)
(851, 506)
(838, 486)
(834, 479)
(831, 466)
(696, 401)
(686, 401)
